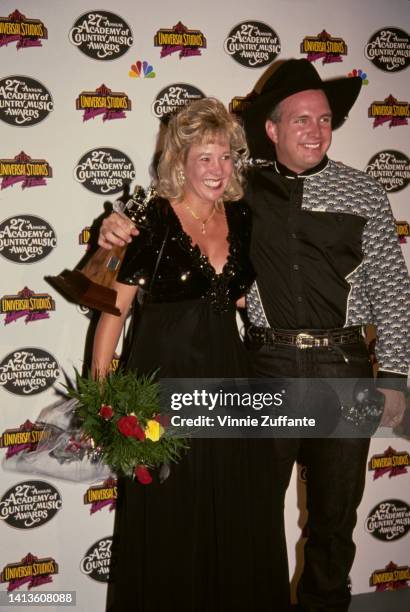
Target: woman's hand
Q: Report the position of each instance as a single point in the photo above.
(116, 230)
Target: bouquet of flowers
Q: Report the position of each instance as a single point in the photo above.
(121, 419)
(105, 426)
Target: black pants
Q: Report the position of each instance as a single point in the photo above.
(335, 481)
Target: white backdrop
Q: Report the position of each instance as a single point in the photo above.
(41, 120)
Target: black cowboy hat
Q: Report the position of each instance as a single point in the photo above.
(291, 77)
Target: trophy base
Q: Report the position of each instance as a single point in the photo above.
(81, 290)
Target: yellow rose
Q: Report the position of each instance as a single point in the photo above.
(153, 430)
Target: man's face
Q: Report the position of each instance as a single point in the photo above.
(304, 132)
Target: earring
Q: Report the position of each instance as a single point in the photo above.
(181, 176)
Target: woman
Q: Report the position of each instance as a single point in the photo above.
(202, 540)
(203, 268)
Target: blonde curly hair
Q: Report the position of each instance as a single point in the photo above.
(204, 120)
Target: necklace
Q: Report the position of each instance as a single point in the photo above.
(197, 218)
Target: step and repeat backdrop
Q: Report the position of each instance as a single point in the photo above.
(83, 87)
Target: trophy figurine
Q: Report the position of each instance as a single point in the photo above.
(91, 285)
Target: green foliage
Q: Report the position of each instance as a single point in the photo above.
(127, 394)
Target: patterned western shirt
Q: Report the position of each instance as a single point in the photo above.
(326, 254)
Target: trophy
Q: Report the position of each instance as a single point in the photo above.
(91, 285)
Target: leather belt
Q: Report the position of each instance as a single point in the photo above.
(306, 338)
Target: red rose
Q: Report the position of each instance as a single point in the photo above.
(106, 412)
(129, 426)
(125, 425)
(142, 474)
(138, 433)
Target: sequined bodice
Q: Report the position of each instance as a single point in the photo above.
(183, 271)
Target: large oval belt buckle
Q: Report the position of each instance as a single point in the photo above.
(304, 341)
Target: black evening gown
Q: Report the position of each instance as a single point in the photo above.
(202, 541)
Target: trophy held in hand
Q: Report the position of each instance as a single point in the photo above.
(91, 285)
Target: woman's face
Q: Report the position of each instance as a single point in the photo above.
(208, 169)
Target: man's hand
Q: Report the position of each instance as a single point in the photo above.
(394, 407)
(116, 230)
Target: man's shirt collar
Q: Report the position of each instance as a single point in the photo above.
(284, 171)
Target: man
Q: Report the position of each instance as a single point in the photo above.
(328, 262)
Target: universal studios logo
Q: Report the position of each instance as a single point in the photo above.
(26, 304)
(253, 44)
(25, 170)
(103, 101)
(179, 39)
(391, 462)
(390, 578)
(101, 496)
(31, 570)
(25, 437)
(22, 30)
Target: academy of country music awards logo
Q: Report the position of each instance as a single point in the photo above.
(31, 570)
(27, 305)
(324, 46)
(28, 371)
(103, 101)
(23, 438)
(253, 44)
(30, 504)
(96, 562)
(24, 101)
(391, 578)
(25, 170)
(389, 49)
(26, 239)
(391, 169)
(390, 110)
(389, 520)
(179, 39)
(173, 97)
(101, 496)
(104, 171)
(101, 35)
(391, 462)
(25, 32)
